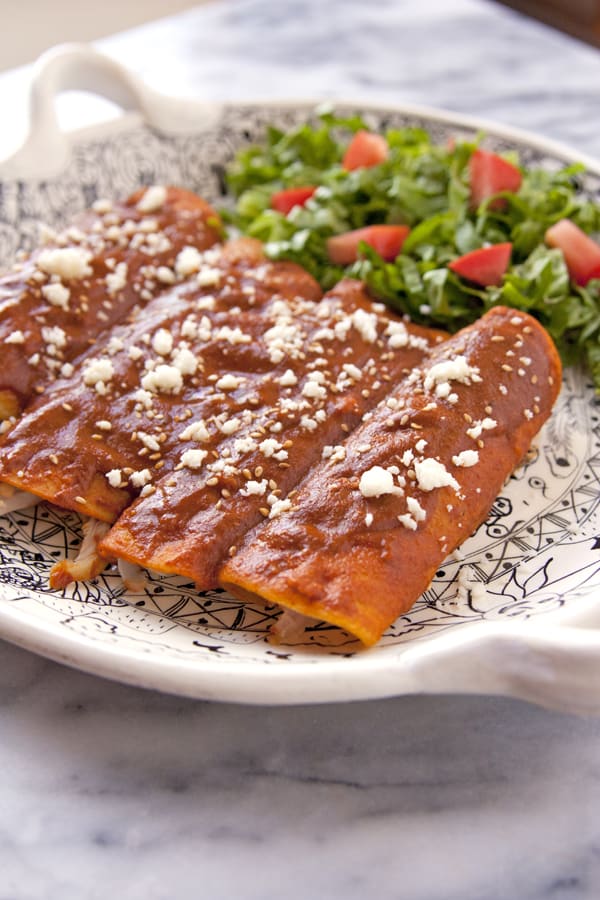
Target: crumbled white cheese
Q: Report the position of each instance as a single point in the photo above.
(54, 336)
(369, 519)
(97, 371)
(188, 261)
(254, 488)
(433, 474)
(115, 345)
(376, 482)
(103, 425)
(195, 431)
(66, 262)
(398, 335)
(288, 379)
(207, 276)
(407, 457)
(228, 382)
(162, 342)
(366, 325)
(233, 336)
(152, 199)
(269, 447)
(478, 427)
(308, 424)
(193, 459)
(116, 281)
(163, 379)
(353, 371)
(466, 458)
(415, 509)
(185, 361)
(408, 521)
(139, 479)
(144, 398)
(334, 454)
(165, 275)
(279, 507)
(314, 391)
(114, 478)
(148, 441)
(15, 337)
(229, 426)
(244, 445)
(134, 353)
(56, 294)
(441, 374)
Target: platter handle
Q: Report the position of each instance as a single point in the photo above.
(79, 67)
(557, 666)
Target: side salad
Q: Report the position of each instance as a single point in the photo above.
(441, 233)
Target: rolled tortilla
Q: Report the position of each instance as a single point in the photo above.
(333, 374)
(57, 300)
(367, 531)
(158, 387)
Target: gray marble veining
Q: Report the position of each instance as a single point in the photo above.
(107, 791)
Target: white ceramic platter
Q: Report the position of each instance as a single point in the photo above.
(515, 615)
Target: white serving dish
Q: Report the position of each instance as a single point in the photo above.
(531, 634)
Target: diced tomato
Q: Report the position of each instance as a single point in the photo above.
(581, 253)
(485, 266)
(365, 150)
(286, 200)
(489, 174)
(387, 240)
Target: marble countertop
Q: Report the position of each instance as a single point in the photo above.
(106, 790)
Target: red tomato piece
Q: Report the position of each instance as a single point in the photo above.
(581, 253)
(489, 174)
(485, 266)
(284, 201)
(365, 150)
(387, 240)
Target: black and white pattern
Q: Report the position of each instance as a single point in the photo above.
(538, 551)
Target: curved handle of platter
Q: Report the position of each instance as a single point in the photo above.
(555, 666)
(80, 67)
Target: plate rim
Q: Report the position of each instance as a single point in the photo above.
(412, 667)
